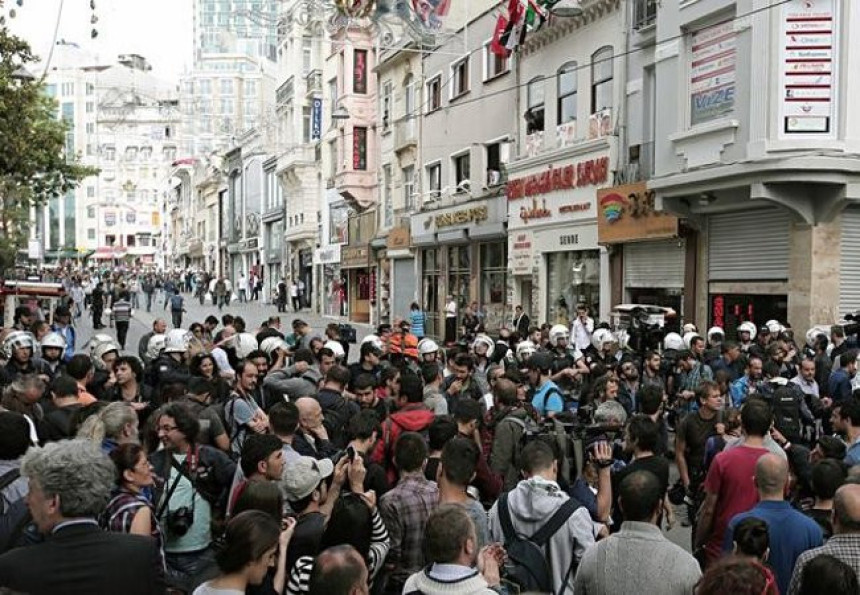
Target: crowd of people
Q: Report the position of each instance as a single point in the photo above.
(228, 458)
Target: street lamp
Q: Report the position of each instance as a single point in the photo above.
(340, 114)
(567, 8)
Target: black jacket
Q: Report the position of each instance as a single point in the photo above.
(83, 559)
(165, 370)
(215, 472)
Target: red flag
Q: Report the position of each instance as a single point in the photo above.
(496, 46)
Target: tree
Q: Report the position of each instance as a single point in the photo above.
(33, 164)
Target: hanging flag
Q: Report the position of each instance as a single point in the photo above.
(431, 13)
(497, 46)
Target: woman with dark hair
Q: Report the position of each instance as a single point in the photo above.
(751, 538)
(827, 574)
(250, 546)
(205, 366)
(354, 521)
(129, 510)
(739, 575)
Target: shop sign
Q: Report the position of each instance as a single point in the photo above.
(473, 215)
(354, 257)
(398, 239)
(712, 72)
(591, 172)
(571, 239)
(808, 65)
(534, 211)
(522, 253)
(328, 255)
(316, 119)
(627, 214)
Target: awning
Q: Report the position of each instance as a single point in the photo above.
(109, 253)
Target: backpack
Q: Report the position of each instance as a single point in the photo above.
(176, 302)
(527, 565)
(785, 402)
(6, 480)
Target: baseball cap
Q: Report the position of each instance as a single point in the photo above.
(302, 476)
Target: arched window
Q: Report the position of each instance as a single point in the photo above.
(601, 79)
(567, 88)
(535, 105)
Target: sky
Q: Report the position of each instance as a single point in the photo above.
(159, 30)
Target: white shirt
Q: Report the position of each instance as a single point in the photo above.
(451, 309)
(243, 284)
(582, 333)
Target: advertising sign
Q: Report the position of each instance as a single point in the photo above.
(712, 72)
(316, 119)
(626, 214)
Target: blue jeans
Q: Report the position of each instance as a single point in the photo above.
(189, 570)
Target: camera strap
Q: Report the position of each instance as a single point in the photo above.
(173, 463)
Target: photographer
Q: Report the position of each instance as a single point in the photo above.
(196, 480)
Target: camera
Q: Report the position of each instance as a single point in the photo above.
(179, 521)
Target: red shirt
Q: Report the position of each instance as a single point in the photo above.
(732, 478)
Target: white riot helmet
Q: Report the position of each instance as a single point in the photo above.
(717, 334)
(177, 341)
(336, 348)
(377, 342)
(559, 331)
(95, 341)
(623, 338)
(17, 339)
(101, 350)
(601, 337)
(690, 328)
(54, 339)
(426, 346)
(673, 341)
(271, 344)
(747, 327)
(814, 334)
(525, 349)
(774, 327)
(689, 337)
(245, 343)
(155, 345)
(483, 339)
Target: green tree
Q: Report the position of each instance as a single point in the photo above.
(34, 166)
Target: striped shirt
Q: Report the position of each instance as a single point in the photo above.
(122, 311)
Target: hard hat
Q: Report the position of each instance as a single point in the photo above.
(176, 341)
(748, 327)
(54, 339)
(715, 330)
(155, 345)
(271, 344)
(17, 339)
(103, 349)
(376, 341)
(774, 327)
(814, 334)
(601, 337)
(540, 360)
(673, 341)
(245, 344)
(689, 337)
(559, 331)
(525, 349)
(427, 346)
(483, 339)
(95, 341)
(336, 348)
(690, 328)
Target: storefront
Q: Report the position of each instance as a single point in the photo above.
(748, 266)
(355, 263)
(401, 273)
(332, 290)
(556, 262)
(462, 251)
(650, 251)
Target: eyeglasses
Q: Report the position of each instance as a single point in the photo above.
(165, 429)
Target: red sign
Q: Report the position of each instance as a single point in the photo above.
(592, 172)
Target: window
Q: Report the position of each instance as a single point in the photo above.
(90, 107)
(497, 156)
(91, 191)
(109, 153)
(712, 57)
(566, 82)
(205, 87)
(535, 106)
(169, 153)
(359, 72)
(307, 55)
(306, 124)
(250, 88)
(91, 127)
(91, 234)
(226, 86)
(387, 92)
(409, 188)
(601, 79)
(91, 212)
(460, 78)
(434, 93)
(494, 65)
(130, 153)
(409, 96)
(387, 206)
(67, 89)
(359, 149)
(461, 170)
(434, 181)
(493, 264)
(227, 106)
(145, 153)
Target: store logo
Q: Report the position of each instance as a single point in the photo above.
(612, 205)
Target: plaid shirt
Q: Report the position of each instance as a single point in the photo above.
(405, 510)
(845, 547)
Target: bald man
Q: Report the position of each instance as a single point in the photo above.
(339, 569)
(791, 532)
(845, 543)
(312, 438)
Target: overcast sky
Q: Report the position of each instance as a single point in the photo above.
(160, 30)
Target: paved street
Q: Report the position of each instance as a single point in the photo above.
(253, 313)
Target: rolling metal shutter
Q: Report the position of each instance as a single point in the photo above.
(849, 279)
(654, 264)
(749, 245)
(402, 286)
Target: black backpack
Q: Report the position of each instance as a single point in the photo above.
(786, 404)
(527, 565)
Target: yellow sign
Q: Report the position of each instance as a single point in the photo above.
(473, 215)
(627, 214)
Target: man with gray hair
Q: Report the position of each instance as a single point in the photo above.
(69, 485)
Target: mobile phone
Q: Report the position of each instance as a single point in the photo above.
(350, 453)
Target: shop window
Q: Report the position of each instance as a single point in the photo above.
(535, 106)
(572, 277)
(459, 273)
(601, 79)
(432, 301)
(494, 263)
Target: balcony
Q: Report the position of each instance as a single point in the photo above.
(644, 13)
(405, 134)
(534, 143)
(313, 81)
(565, 134)
(296, 155)
(284, 94)
(600, 124)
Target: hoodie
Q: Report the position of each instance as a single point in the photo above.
(531, 504)
(337, 411)
(414, 417)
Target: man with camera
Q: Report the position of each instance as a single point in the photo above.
(196, 480)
